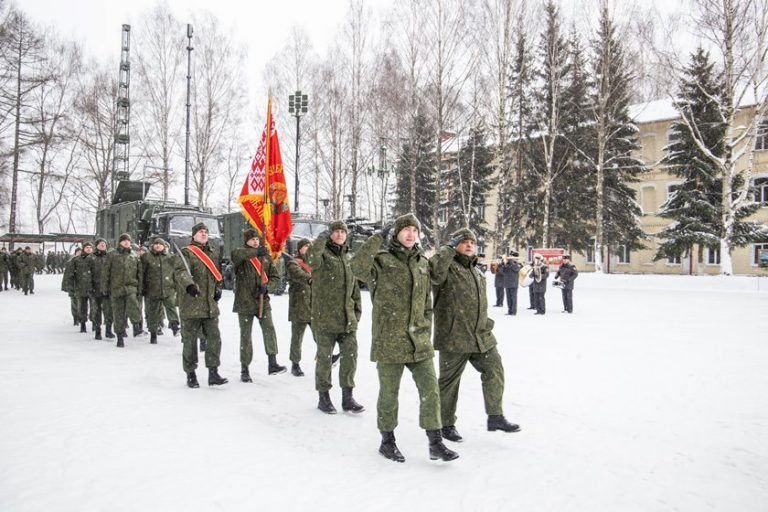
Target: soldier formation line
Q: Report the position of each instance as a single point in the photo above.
(409, 292)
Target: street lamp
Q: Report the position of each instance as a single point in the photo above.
(297, 106)
(325, 202)
(382, 171)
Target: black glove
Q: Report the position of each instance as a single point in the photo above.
(261, 251)
(453, 242)
(261, 289)
(193, 290)
(217, 294)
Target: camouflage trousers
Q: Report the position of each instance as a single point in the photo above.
(124, 308)
(207, 328)
(4, 278)
(423, 374)
(84, 305)
(246, 334)
(326, 341)
(154, 309)
(101, 308)
(74, 307)
(491, 375)
(297, 338)
(28, 282)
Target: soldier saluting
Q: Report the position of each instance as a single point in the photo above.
(463, 332)
(198, 273)
(398, 278)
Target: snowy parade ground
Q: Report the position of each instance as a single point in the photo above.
(652, 396)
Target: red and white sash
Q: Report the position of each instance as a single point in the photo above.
(206, 261)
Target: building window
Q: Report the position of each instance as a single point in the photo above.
(480, 211)
(760, 254)
(480, 249)
(674, 260)
(712, 255)
(761, 141)
(589, 255)
(673, 137)
(649, 199)
(761, 190)
(623, 253)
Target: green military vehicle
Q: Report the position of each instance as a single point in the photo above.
(130, 212)
(234, 224)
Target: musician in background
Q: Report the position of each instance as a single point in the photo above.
(539, 285)
(510, 270)
(566, 274)
(498, 282)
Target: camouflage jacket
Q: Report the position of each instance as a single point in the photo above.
(67, 283)
(158, 269)
(460, 304)
(204, 305)
(299, 293)
(121, 274)
(336, 304)
(82, 276)
(4, 264)
(398, 279)
(98, 263)
(26, 263)
(247, 280)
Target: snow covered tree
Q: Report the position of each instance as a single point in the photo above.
(694, 208)
(470, 183)
(416, 172)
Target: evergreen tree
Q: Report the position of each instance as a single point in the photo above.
(416, 172)
(694, 208)
(470, 183)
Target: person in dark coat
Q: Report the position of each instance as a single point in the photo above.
(539, 284)
(566, 274)
(498, 283)
(510, 270)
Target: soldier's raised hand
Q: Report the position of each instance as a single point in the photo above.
(453, 242)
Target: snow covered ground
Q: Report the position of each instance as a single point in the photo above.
(650, 397)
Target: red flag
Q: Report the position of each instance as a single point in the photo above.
(264, 196)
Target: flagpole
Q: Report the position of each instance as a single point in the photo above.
(267, 204)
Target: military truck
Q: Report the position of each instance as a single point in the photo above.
(130, 212)
(234, 224)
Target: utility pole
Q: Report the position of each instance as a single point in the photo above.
(297, 106)
(189, 82)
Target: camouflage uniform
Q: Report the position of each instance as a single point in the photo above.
(159, 287)
(67, 285)
(199, 314)
(4, 261)
(398, 279)
(82, 280)
(336, 309)
(26, 266)
(121, 275)
(299, 301)
(246, 305)
(463, 331)
(101, 305)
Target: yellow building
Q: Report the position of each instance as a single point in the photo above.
(654, 120)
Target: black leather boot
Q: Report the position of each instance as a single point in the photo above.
(437, 449)
(175, 328)
(120, 341)
(153, 338)
(500, 423)
(245, 375)
(214, 379)
(296, 370)
(388, 447)
(274, 368)
(192, 380)
(348, 402)
(450, 433)
(97, 336)
(137, 330)
(109, 334)
(82, 327)
(325, 404)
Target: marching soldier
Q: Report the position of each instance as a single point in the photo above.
(299, 302)
(82, 278)
(67, 285)
(336, 309)
(198, 274)
(398, 279)
(26, 265)
(159, 288)
(464, 333)
(4, 261)
(253, 270)
(567, 273)
(101, 305)
(122, 277)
